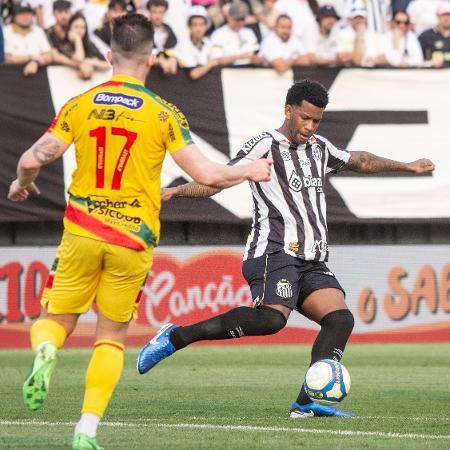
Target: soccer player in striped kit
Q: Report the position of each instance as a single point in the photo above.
(285, 255)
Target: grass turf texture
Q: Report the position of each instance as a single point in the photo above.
(238, 398)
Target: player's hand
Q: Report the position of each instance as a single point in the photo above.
(260, 170)
(18, 193)
(167, 193)
(422, 165)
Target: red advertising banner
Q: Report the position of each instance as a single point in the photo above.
(397, 293)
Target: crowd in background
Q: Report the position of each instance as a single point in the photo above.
(199, 35)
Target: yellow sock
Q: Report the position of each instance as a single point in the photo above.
(47, 330)
(102, 376)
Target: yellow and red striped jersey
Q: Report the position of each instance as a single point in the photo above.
(121, 132)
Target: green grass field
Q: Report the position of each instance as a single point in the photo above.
(238, 398)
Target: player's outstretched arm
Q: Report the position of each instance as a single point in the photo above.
(46, 149)
(209, 173)
(190, 190)
(366, 162)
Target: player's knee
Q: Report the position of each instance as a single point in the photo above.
(341, 320)
(272, 319)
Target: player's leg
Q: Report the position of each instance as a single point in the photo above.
(325, 305)
(69, 291)
(124, 273)
(273, 282)
(102, 375)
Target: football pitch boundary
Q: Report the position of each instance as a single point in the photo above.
(216, 427)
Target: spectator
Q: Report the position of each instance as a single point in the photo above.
(378, 13)
(267, 17)
(195, 53)
(423, 14)
(80, 51)
(26, 43)
(47, 8)
(303, 17)
(165, 39)
(325, 51)
(358, 45)
(232, 42)
(402, 46)
(57, 34)
(281, 49)
(339, 6)
(435, 42)
(102, 35)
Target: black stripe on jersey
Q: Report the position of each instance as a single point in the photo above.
(312, 219)
(275, 239)
(280, 170)
(320, 198)
(256, 227)
(333, 162)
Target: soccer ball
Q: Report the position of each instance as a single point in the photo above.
(327, 381)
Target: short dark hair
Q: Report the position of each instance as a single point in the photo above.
(163, 3)
(283, 16)
(62, 5)
(132, 34)
(113, 3)
(308, 90)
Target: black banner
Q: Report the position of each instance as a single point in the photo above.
(368, 108)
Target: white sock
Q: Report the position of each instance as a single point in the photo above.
(88, 424)
(41, 345)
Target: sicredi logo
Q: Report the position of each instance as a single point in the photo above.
(111, 98)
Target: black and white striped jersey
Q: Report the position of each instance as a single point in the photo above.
(289, 211)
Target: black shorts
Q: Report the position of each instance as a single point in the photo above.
(281, 279)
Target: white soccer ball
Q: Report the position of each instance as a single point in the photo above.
(327, 381)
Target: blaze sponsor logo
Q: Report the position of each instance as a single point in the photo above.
(111, 98)
(284, 288)
(296, 182)
(253, 141)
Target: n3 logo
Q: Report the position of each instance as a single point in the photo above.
(102, 114)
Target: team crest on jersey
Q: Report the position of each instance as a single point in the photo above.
(284, 288)
(316, 152)
(286, 155)
(114, 98)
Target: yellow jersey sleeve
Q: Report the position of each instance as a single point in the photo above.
(176, 133)
(62, 126)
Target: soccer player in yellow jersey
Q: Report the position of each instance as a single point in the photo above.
(121, 133)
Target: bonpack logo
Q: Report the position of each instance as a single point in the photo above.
(111, 98)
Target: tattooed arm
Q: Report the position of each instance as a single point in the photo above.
(190, 190)
(45, 150)
(366, 162)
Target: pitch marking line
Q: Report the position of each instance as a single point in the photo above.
(207, 426)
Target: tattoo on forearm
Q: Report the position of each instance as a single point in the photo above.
(194, 189)
(46, 150)
(367, 162)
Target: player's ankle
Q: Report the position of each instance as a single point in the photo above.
(88, 424)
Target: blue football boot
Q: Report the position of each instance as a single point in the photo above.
(156, 350)
(316, 410)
